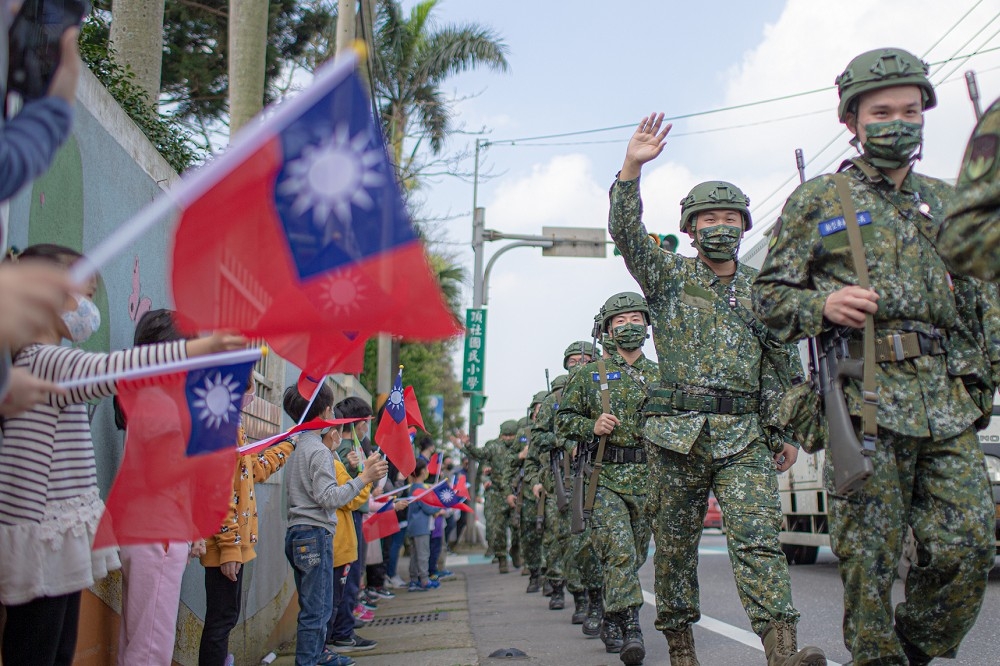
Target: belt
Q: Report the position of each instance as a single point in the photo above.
(624, 454)
(900, 346)
(712, 401)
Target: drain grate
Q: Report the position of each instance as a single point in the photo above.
(408, 619)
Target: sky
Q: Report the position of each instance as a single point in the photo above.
(585, 65)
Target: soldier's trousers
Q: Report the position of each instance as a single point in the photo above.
(941, 490)
(530, 538)
(496, 529)
(555, 540)
(582, 569)
(620, 534)
(747, 489)
(491, 506)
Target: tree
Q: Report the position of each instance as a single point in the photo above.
(137, 39)
(247, 58)
(411, 59)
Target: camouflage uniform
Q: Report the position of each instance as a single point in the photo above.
(970, 238)
(705, 346)
(497, 455)
(619, 531)
(530, 541)
(929, 469)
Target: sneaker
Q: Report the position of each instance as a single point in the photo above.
(384, 593)
(433, 584)
(417, 587)
(331, 658)
(363, 613)
(371, 597)
(444, 574)
(355, 644)
(368, 604)
(230, 661)
(433, 576)
(397, 581)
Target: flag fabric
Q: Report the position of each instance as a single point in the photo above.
(176, 478)
(434, 464)
(299, 234)
(315, 424)
(413, 415)
(381, 523)
(462, 487)
(392, 435)
(444, 496)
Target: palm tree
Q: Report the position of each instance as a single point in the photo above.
(411, 59)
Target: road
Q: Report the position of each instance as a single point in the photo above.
(508, 617)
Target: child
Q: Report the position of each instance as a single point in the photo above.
(418, 529)
(313, 496)
(49, 502)
(232, 547)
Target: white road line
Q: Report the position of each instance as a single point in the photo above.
(743, 636)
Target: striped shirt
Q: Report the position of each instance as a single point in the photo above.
(48, 452)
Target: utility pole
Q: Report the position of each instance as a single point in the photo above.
(346, 28)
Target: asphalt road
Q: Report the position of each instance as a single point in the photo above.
(503, 616)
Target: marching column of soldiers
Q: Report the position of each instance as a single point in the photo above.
(621, 449)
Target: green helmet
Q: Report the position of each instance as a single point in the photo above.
(559, 382)
(626, 301)
(579, 347)
(715, 195)
(882, 68)
(522, 422)
(508, 427)
(538, 398)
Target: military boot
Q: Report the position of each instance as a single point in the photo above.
(781, 648)
(579, 607)
(611, 636)
(547, 588)
(503, 565)
(595, 613)
(681, 644)
(633, 651)
(515, 557)
(556, 600)
(533, 582)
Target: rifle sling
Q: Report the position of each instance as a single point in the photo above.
(588, 504)
(869, 405)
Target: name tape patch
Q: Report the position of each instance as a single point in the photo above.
(832, 226)
(611, 376)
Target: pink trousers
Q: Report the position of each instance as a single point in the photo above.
(151, 594)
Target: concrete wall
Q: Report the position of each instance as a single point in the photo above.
(105, 173)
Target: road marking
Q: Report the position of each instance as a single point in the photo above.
(743, 636)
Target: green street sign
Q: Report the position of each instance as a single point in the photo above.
(475, 350)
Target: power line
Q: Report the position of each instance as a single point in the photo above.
(951, 29)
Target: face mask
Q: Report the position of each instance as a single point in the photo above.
(629, 336)
(892, 145)
(721, 242)
(82, 322)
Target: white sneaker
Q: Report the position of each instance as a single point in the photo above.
(397, 581)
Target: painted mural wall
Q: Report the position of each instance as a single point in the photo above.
(104, 174)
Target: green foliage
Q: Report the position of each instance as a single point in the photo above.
(164, 132)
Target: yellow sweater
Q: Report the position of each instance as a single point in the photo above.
(345, 539)
(236, 539)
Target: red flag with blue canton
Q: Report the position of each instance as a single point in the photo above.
(380, 524)
(445, 497)
(393, 435)
(176, 479)
(434, 464)
(299, 234)
(413, 415)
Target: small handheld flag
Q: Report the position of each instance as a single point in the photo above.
(392, 436)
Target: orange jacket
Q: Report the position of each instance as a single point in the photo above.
(236, 539)
(345, 539)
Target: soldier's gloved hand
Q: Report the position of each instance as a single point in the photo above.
(848, 306)
(605, 423)
(536, 490)
(787, 457)
(511, 501)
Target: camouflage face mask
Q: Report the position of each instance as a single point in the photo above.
(894, 144)
(629, 336)
(721, 242)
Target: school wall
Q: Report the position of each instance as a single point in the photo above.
(104, 174)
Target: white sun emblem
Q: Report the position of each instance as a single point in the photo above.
(331, 176)
(447, 495)
(216, 399)
(340, 293)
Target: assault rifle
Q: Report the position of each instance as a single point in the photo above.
(515, 520)
(581, 470)
(830, 363)
(540, 512)
(556, 467)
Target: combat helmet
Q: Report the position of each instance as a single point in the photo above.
(626, 301)
(508, 427)
(715, 195)
(538, 398)
(559, 382)
(578, 347)
(522, 422)
(882, 68)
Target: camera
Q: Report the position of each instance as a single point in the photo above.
(34, 43)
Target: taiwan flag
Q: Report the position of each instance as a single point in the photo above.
(444, 496)
(380, 524)
(299, 234)
(413, 415)
(176, 480)
(393, 435)
(434, 464)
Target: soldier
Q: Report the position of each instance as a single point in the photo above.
(706, 424)
(970, 238)
(496, 459)
(929, 471)
(520, 500)
(531, 535)
(605, 399)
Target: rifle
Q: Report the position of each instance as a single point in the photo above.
(829, 363)
(555, 460)
(540, 512)
(515, 520)
(581, 465)
(598, 462)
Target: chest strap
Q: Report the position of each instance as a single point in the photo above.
(624, 454)
(670, 400)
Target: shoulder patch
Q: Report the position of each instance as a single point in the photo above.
(775, 230)
(612, 376)
(835, 224)
(981, 157)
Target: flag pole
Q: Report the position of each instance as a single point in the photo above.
(312, 399)
(185, 365)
